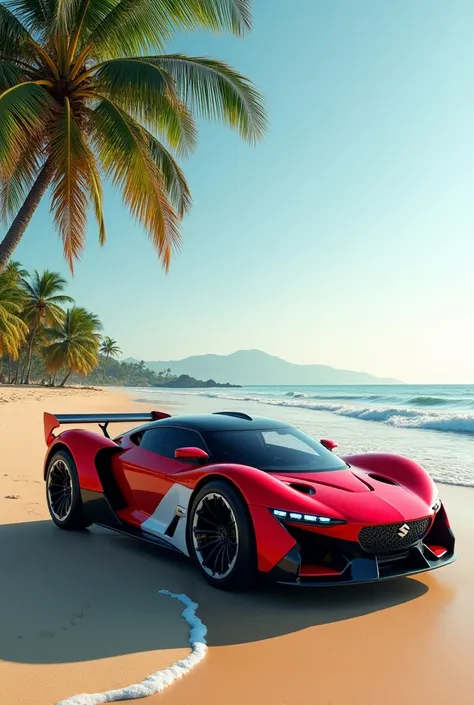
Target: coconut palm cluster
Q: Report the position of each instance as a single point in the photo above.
(39, 320)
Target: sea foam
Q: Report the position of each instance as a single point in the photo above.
(160, 680)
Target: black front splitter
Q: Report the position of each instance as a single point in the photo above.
(359, 571)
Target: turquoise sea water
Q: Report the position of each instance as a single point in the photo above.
(434, 424)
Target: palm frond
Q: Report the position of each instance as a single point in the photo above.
(45, 286)
(147, 93)
(13, 330)
(123, 149)
(15, 39)
(64, 14)
(33, 14)
(24, 112)
(11, 74)
(14, 272)
(96, 196)
(220, 15)
(216, 91)
(132, 27)
(139, 26)
(70, 183)
(177, 187)
(21, 175)
(91, 322)
(90, 14)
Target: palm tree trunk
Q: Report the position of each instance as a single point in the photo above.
(106, 365)
(17, 371)
(30, 352)
(24, 215)
(9, 370)
(66, 378)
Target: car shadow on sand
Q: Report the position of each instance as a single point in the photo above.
(68, 597)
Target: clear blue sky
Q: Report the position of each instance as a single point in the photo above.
(347, 237)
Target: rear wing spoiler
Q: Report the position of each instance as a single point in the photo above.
(53, 421)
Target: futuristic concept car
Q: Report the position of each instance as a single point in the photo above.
(247, 496)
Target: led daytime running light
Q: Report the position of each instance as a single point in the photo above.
(305, 518)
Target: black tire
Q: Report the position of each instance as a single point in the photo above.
(63, 493)
(219, 518)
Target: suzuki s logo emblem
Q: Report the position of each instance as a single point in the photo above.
(403, 531)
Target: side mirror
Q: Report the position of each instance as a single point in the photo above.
(191, 454)
(330, 445)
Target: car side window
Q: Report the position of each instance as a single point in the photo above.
(165, 441)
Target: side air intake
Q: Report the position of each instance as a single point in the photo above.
(381, 478)
(300, 487)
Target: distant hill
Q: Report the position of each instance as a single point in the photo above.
(254, 367)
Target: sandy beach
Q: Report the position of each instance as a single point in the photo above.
(82, 612)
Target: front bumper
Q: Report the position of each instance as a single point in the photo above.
(419, 559)
(316, 561)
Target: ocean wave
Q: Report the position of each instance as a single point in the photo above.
(446, 422)
(433, 401)
(353, 397)
(398, 400)
(401, 418)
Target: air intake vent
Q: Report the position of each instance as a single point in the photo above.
(304, 489)
(381, 478)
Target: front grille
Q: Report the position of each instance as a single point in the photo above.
(392, 537)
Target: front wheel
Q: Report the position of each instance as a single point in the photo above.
(63, 493)
(221, 537)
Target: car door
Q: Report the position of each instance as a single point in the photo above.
(149, 466)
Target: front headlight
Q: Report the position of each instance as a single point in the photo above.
(301, 518)
(437, 505)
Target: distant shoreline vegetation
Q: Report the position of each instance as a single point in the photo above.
(112, 373)
(136, 374)
(185, 382)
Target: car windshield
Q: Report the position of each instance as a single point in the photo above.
(276, 450)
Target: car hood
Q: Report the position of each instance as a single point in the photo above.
(355, 496)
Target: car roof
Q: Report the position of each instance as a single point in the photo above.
(218, 421)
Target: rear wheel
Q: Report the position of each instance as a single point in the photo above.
(221, 537)
(63, 493)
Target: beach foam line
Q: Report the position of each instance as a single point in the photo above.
(157, 682)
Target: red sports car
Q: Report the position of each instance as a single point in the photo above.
(246, 496)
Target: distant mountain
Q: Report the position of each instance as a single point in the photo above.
(254, 367)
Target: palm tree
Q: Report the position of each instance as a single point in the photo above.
(43, 306)
(13, 330)
(75, 346)
(79, 97)
(109, 348)
(15, 272)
